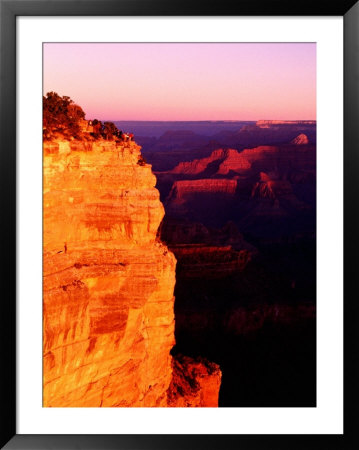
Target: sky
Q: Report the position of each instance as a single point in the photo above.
(174, 81)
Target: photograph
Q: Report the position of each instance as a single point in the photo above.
(179, 224)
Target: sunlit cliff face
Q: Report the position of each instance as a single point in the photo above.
(108, 321)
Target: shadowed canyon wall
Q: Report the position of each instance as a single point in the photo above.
(241, 223)
(108, 320)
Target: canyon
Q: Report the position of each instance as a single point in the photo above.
(167, 144)
(188, 280)
(241, 224)
(108, 285)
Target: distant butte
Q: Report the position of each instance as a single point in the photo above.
(301, 139)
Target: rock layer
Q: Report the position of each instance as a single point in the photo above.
(108, 282)
(185, 193)
(198, 260)
(183, 188)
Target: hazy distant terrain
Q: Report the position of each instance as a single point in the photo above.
(157, 128)
(165, 144)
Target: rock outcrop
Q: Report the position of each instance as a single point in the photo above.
(224, 162)
(206, 252)
(262, 189)
(301, 139)
(183, 188)
(220, 161)
(198, 196)
(272, 188)
(108, 320)
(195, 382)
(199, 165)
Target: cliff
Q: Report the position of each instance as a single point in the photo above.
(108, 320)
(196, 197)
(198, 260)
(198, 165)
(183, 188)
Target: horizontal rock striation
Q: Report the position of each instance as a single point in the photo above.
(197, 195)
(183, 188)
(108, 320)
(198, 260)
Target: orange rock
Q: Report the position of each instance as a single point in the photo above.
(108, 282)
(195, 383)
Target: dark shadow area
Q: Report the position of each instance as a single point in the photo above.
(259, 325)
(273, 367)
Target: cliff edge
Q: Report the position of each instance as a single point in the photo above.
(108, 320)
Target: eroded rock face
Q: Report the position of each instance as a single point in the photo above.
(199, 165)
(183, 188)
(206, 253)
(230, 161)
(195, 383)
(108, 282)
(186, 194)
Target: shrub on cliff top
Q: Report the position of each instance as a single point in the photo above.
(141, 161)
(109, 130)
(61, 115)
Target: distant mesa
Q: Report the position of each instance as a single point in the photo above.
(233, 161)
(199, 165)
(301, 139)
(266, 123)
(223, 161)
(184, 188)
(195, 198)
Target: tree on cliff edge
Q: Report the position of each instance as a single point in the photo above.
(61, 114)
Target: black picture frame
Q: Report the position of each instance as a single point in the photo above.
(9, 10)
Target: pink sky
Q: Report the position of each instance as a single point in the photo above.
(185, 81)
